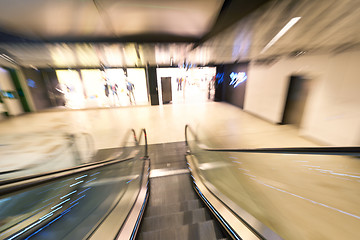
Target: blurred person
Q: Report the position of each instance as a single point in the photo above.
(130, 91)
(106, 88)
(65, 91)
(106, 83)
(114, 89)
(179, 82)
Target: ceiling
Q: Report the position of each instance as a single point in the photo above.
(325, 26)
(84, 33)
(119, 20)
(87, 20)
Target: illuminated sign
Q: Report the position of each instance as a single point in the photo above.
(8, 94)
(237, 78)
(31, 83)
(220, 77)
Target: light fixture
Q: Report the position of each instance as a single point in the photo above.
(33, 67)
(286, 28)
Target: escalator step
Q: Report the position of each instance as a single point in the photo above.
(157, 235)
(207, 230)
(177, 191)
(172, 184)
(172, 208)
(166, 200)
(174, 220)
(197, 231)
(166, 197)
(198, 215)
(217, 228)
(162, 222)
(192, 204)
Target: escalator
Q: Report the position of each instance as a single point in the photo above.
(174, 211)
(106, 198)
(277, 193)
(184, 190)
(95, 200)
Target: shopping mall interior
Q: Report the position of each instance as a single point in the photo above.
(202, 119)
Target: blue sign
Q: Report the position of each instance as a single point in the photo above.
(237, 78)
(220, 77)
(7, 94)
(31, 83)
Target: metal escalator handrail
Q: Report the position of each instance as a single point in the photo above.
(354, 151)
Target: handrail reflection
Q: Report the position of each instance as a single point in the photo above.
(11, 185)
(70, 145)
(143, 132)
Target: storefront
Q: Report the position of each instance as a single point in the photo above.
(181, 85)
(89, 88)
(71, 87)
(93, 82)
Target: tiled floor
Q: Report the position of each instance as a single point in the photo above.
(163, 123)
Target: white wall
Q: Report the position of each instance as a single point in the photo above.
(332, 112)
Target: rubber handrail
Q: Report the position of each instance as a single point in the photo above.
(353, 151)
(187, 127)
(297, 150)
(143, 133)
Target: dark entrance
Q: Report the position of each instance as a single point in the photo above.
(166, 89)
(298, 91)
